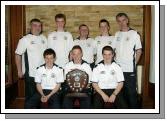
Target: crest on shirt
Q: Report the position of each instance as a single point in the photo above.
(112, 72)
(102, 72)
(53, 75)
(65, 37)
(44, 75)
(88, 44)
(43, 42)
(32, 42)
(54, 37)
(98, 42)
(127, 39)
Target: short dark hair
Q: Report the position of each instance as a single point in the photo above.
(35, 20)
(122, 14)
(60, 15)
(77, 47)
(109, 48)
(49, 51)
(83, 25)
(104, 20)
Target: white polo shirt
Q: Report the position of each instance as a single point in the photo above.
(100, 42)
(34, 46)
(61, 43)
(107, 76)
(84, 66)
(126, 44)
(88, 48)
(49, 78)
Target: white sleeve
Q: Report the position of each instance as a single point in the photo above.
(113, 42)
(119, 74)
(49, 41)
(94, 75)
(38, 76)
(138, 41)
(94, 47)
(66, 70)
(89, 72)
(70, 42)
(22, 46)
(60, 76)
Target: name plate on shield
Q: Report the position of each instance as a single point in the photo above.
(77, 80)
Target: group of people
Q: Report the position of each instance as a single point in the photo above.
(110, 62)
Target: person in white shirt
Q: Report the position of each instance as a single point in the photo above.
(78, 63)
(29, 55)
(48, 78)
(107, 80)
(103, 40)
(87, 44)
(60, 41)
(128, 49)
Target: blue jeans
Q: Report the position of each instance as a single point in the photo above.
(129, 90)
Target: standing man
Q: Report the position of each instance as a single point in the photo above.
(60, 41)
(104, 39)
(107, 79)
(78, 63)
(128, 50)
(29, 55)
(87, 44)
(48, 81)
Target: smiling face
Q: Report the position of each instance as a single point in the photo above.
(36, 28)
(108, 56)
(104, 28)
(122, 22)
(84, 31)
(49, 60)
(77, 56)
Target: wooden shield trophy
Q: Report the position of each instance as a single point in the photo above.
(77, 80)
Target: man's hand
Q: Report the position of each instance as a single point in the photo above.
(105, 97)
(20, 74)
(112, 98)
(44, 99)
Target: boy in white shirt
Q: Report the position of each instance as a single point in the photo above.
(103, 40)
(78, 63)
(87, 44)
(107, 80)
(48, 81)
(60, 41)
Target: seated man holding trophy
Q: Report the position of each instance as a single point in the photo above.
(78, 74)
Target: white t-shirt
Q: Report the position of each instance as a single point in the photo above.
(84, 66)
(34, 46)
(49, 78)
(88, 48)
(61, 43)
(107, 76)
(100, 42)
(126, 44)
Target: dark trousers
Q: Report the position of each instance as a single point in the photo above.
(85, 102)
(99, 103)
(129, 90)
(30, 87)
(35, 100)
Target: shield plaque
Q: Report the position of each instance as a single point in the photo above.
(77, 80)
